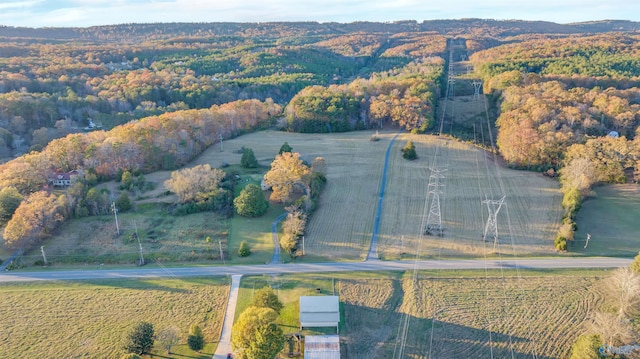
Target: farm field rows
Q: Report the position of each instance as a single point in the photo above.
(477, 314)
(475, 317)
(89, 319)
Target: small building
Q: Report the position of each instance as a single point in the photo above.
(321, 347)
(63, 179)
(319, 311)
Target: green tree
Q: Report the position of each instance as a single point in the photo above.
(127, 180)
(195, 340)
(285, 148)
(268, 342)
(586, 347)
(409, 151)
(244, 250)
(251, 202)
(635, 265)
(267, 298)
(139, 340)
(10, 200)
(123, 203)
(248, 159)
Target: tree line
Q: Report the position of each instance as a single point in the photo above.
(405, 98)
(165, 142)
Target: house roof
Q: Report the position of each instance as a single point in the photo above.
(320, 304)
(322, 347)
(319, 311)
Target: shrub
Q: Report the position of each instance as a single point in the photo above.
(244, 250)
(560, 243)
(409, 151)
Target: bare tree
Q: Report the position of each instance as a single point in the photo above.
(168, 337)
(613, 329)
(625, 285)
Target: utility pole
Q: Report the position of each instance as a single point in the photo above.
(115, 213)
(585, 245)
(139, 244)
(44, 256)
(220, 138)
(302, 245)
(221, 253)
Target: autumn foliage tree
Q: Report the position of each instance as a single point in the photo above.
(36, 218)
(254, 335)
(287, 174)
(195, 183)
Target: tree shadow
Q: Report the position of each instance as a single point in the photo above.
(378, 335)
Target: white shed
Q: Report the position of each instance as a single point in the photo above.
(319, 311)
(321, 347)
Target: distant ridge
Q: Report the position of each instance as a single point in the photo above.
(159, 31)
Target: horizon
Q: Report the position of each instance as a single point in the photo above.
(89, 13)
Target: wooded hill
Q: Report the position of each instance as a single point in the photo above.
(167, 91)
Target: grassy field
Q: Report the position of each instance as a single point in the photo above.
(612, 220)
(89, 319)
(341, 228)
(526, 223)
(163, 237)
(477, 314)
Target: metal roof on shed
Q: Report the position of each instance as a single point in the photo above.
(322, 347)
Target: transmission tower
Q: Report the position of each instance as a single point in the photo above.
(434, 219)
(476, 87)
(450, 91)
(492, 222)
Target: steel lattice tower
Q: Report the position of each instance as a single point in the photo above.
(434, 219)
(476, 87)
(492, 222)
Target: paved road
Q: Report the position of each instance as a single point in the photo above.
(591, 262)
(224, 345)
(274, 235)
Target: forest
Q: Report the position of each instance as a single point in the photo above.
(137, 98)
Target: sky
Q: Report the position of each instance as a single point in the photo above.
(84, 13)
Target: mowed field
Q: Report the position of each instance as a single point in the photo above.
(89, 319)
(342, 226)
(475, 317)
(611, 218)
(527, 221)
